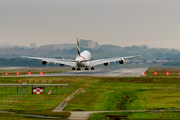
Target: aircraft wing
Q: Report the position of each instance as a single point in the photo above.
(68, 62)
(108, 60)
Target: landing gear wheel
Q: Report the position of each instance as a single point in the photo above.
(73, 68)
(78, 69)
(86, 69)
(92, 68)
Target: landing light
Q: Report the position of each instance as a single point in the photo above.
(167, 73)
(41, 73)
(155, 73)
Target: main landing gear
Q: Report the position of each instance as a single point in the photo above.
(78, 69)
(73, 68)
(92, 68)
(86, 69)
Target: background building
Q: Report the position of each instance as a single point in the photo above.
(59, 46)
(33, 45)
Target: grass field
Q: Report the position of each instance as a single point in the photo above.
(35, 104)
(144, 93)
(110, 93)
(100, 94)
(136, 116)
(8, 116)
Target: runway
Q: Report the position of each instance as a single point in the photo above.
(99, 72)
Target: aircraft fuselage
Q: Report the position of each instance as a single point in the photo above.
(83, 58)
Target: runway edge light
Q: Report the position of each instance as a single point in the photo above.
(6, 73)
(17, 73)
(29, 73)
(167, 73)
(155, 73)
(41, 73)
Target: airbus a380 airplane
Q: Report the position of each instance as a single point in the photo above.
(82, 60)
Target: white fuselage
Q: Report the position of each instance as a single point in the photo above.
(82, 60)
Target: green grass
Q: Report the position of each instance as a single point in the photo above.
(44, 113)
(156, 99)
(128, 94)
(138, 93)
(98, 116)
(101, 94)
(8, 116)
(160, 115)
(135, 116)
(32, 103)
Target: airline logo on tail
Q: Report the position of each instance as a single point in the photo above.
(78, 47)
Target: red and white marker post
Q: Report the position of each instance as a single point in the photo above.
(49, 92)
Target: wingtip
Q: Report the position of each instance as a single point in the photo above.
(23, 56)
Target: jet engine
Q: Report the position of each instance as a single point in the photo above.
(121, 61)
(61, 64)
(44, 62)
(106, 64)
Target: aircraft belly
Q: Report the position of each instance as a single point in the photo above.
(82, 64)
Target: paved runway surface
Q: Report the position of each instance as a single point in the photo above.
(102, 72)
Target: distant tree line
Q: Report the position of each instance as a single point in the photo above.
(173, 63)
(102, 51)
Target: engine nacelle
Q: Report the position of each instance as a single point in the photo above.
(44, 62)
(61, 64)
(106, 64)
(121, 61)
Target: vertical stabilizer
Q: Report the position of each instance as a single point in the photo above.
(78, 47)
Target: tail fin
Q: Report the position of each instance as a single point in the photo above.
(78, 47)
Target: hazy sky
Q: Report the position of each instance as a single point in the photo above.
(155, 23)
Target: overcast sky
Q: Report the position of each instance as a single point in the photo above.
(155, 23)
